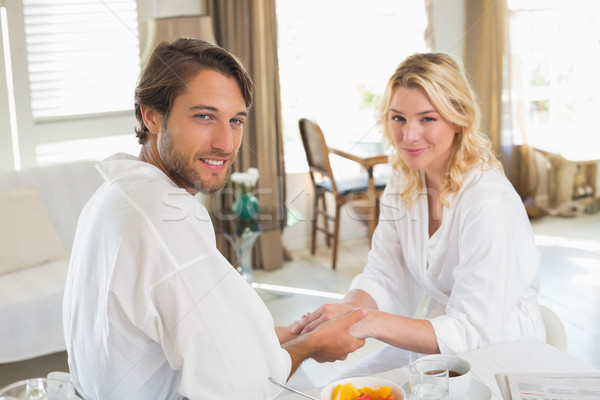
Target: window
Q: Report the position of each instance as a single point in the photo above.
(82, 56)
(70, 67)
(335, 58)
(556, 58)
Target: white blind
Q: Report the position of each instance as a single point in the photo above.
(82, 55)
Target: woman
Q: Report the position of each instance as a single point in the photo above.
(453, 264)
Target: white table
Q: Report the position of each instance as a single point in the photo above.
(526, 355)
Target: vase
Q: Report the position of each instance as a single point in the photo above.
(246, 206)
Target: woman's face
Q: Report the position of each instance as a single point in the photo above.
(421, 136)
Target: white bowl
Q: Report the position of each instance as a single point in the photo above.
(458, 386)
(362, 381)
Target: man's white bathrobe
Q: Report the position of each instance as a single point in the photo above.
(152, 310)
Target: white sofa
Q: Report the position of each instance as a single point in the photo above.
(31, 298)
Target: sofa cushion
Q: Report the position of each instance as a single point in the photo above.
(27, 236)
(31, 311)
(63, 188)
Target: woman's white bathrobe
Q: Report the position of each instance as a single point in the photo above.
(479, 270)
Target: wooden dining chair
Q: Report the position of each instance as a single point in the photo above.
(324, 181)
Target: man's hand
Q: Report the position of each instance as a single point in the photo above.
(326, 312)
(333, 339)
(330, 341)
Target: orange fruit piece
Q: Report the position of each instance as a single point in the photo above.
(346, 391)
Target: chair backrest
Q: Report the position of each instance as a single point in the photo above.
(555, 330)
(317, 153)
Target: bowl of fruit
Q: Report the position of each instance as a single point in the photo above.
(362, 388)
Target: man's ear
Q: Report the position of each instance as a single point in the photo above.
(152, 118)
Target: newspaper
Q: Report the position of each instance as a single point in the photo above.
(549, 386)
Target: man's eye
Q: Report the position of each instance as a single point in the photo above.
(202, 116)
(237, 121)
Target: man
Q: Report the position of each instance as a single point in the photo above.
(152, 310)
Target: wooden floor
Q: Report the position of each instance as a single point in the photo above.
(570, 279)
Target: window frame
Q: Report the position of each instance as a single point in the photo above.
(31, 132)
(6, 145)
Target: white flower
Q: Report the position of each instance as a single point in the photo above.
(253, 172)
(246, 181)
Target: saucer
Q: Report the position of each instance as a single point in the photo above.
(477, 391)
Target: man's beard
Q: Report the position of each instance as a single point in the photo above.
(183, 172)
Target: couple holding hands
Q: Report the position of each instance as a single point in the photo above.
(153, 310)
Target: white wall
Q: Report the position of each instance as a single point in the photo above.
(449, 27)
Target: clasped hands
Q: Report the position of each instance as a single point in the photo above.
(412, 334)
(310, 321)
(334, 329)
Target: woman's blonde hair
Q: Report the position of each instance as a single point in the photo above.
(440, 77)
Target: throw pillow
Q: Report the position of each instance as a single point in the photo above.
(27, 235)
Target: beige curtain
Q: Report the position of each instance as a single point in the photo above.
(485, 53)
(248, 29)
(488, 65)
(429, 28)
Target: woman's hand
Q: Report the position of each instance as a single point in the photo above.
(284, 333)
(324, 313)
(366, 327)
(354, 299)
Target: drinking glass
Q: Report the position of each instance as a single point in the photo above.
(428, 380)
(39, 389)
